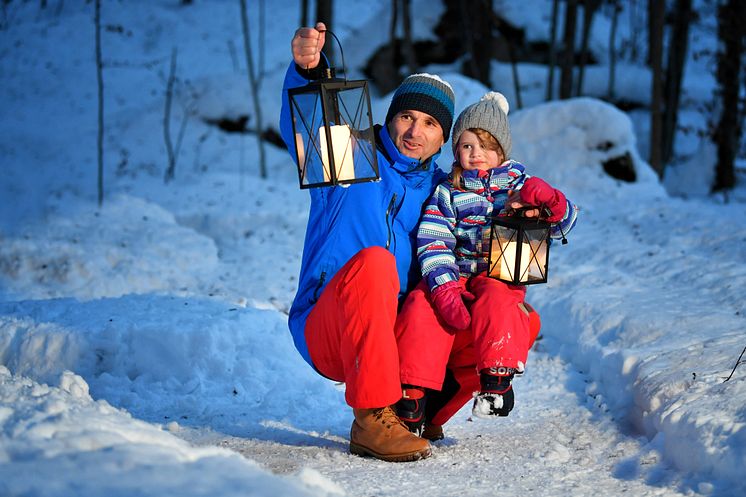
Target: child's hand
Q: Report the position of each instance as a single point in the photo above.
(449, 299)
(538, 192)
(515, 203)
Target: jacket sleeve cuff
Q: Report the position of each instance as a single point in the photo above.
(312, 74)
(436, 279)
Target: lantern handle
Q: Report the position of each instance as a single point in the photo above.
(562, 232)
(521, 213)
(341, 51)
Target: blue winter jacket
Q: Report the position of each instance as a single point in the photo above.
(346, 219)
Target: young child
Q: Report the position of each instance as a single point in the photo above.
(436, 330)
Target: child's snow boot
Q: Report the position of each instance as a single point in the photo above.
(432, 432)
(381, 434)
(495, 397)
(411, 408)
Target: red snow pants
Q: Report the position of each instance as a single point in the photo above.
(503, 329)
(350, 331)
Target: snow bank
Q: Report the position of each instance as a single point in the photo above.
(656, 354)
(58, 441)
(130, 245)
(199, 362)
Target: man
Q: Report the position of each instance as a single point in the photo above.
(359, 255)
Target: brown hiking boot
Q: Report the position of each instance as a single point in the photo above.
(381, 434)
(432, 432)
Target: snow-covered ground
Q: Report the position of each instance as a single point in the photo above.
(144, 346)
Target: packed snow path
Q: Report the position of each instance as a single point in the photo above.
(557, 441)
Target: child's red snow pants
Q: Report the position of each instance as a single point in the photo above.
(350, 331)
(503, 329)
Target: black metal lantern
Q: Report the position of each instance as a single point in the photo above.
(519, 250)
(333, 128)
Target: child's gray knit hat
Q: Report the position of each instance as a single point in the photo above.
(489, 114)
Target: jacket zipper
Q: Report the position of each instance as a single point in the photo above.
(389, 213)
(315, 296)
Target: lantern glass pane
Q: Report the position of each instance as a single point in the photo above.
(536, 242)
(308, 122)
(354, 156)
(503, 252)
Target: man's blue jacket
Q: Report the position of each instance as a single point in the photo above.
(346, 219)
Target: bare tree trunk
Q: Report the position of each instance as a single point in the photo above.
(254, 89)
(262, 51)
(657, 11)
(394, 40)
(233, 54)
(171, 169)
(731, 31)
(552, 50)
(634, 28)
(304, 13)
(568, 48)
(677, 49)
(497, 23)
(514, 70)
(589, 10)
(470, 66)
(612, 49)
(409, 55)
(324, 13)
(100, 81)
(652, 12)
(477, 31)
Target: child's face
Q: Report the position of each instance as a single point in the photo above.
(471, 154)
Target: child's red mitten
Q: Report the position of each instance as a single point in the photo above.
(448, 299)
(538, 192)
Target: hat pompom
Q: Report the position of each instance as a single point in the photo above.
(499, 98)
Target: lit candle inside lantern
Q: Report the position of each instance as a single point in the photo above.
(507, 260)
(300, 150)
(342, 150)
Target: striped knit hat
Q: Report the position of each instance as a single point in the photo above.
(489, 114)
(425, 93)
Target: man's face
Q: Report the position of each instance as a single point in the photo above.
(417, 135)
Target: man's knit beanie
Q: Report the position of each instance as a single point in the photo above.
(489, 114)
(425, 93)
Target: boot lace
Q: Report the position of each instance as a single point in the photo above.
(388, 418)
